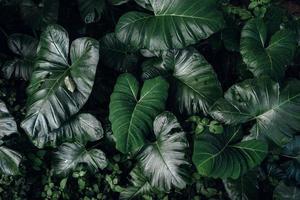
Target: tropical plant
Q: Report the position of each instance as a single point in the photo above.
(149, 99)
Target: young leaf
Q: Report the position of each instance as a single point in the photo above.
(69, 155)
(164, 160)
(91, 10)
(49, 102)
(196, 86)
(117, 55)
(223, 156)
(275, 110)
(265, 58)
(175, 24)
(140, 185)
(25, 47)
(132, 110)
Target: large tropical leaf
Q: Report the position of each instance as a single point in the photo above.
(8, 125)
(81, 128)
(117, 55)
(70, 155)
(244, 188)
(164, 160)
(224, 156)
(285, 192)
(263, 57)
(175, 24)
(25, 47)
(9, 159)
(194, 83)
(140, 185)
(58, 89)
(91, 10)
(275, 110)
(132, 110)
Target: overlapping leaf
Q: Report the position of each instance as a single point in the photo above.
(164, 160)
(195, 85)
(224, 156)
(9, 159)
(140, 185)
(263, 57)
(132, 110)
(275, 110)
(117, 55)
(70, 155)
(175, 24)
(59, 89)
(25, 47)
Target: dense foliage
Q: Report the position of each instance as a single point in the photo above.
(149, 99)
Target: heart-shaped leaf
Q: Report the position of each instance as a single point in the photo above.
(24, 46)
(164, 160)
(132, 110)
(195, 85)
(50, 103)
(275, 110)
(82, 128)
(266, 58)
(175, 24)
(224, 156)
(70, 155)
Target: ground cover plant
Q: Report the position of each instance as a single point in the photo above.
(149, 99)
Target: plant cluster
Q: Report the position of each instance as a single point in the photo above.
(149, 99)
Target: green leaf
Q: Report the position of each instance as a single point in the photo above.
(266, 58)
(39, 15)
(81, 128)
(292, 166)
(132, 110)
(8, 125)
(49, 102)
(9, 159)
(117, 55)
(118, 2)
(24, 46)
(223, 156)
(284, 192)
(275, 110)
(70, 155)
(145, 4)
(195, 85)
(91, 10)
(244, 188)
(175, 24)
(140, 185)
(164, 160)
